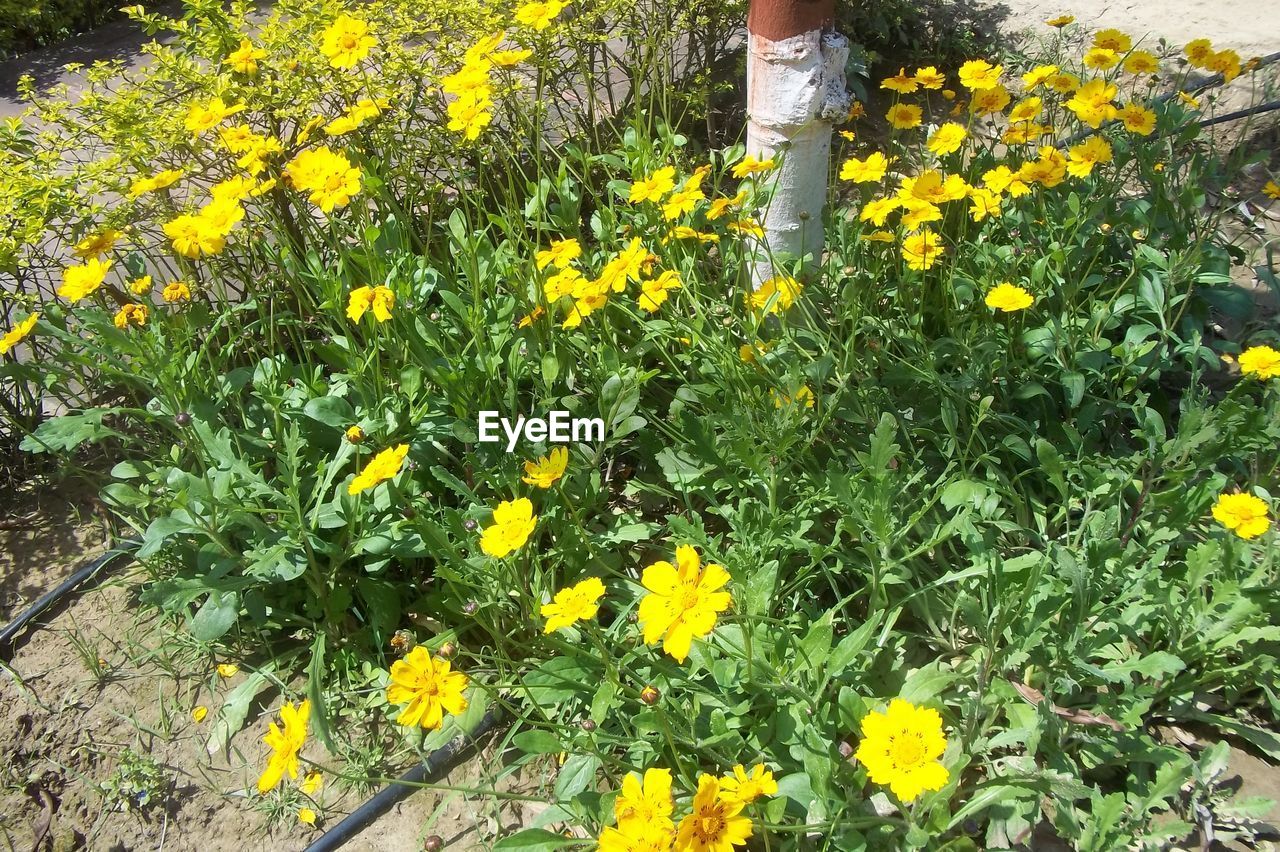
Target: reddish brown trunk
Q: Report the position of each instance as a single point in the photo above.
(779, 19)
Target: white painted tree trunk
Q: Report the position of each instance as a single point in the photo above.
(795, 92)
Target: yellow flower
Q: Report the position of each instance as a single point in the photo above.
(922, 250)
(1063, 83)
(1008, 298)
(202, 117)
(901, 748)
(199, 713)
(983, 203)
(930, 78)
(228, 670)
(244, 59)
(715, 823)
(879, 237)
(15, 335)
(347, 41)
(684, 232)
(513, 523)
(644, 802)
(683, 601)
(682, 201)
(285, 745)
(1112, 39)
(176, 291)
(235, 188)
(378, 299)
(1260, 361)
(990, 101)
(354, 435)
(540, 13)
(916, 213)
(1038, 76)
(96, 245)
(547, 470)
(382, 467)
(1137, 119)
(560, 254)
(903, 116)
(471, 113)
(1086, 155)
(1271, 189)
(1226, 63)
(562, 284)
(749, 165)
(653, 837)
(193, 236)
(577, 603)
(903, 83)
(775, 294)
(746, 788)
(947, 139)
(750, 353)
(307, 816)
(877, 210)
(160, 180)
(1026, 109)
(427, 687)
(327, 175)
(1060, 21)
(1048, 171)
(1198, 52)
(1188, 101)
(978, 75)
(1141, 62)
(1243, 514)
(654, 291)
(84, 280)
(1092, 102)
(312, 783)
(1000, 180)
(802, 398)
(933, 187)
(471, 78)
(746, 228)
(721, 206)
(654, 186)
(1101, 58)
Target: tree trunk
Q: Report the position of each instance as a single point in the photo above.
(795, 92)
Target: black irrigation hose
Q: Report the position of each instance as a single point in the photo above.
(86, 573)
(437, 764)
(1270, 106)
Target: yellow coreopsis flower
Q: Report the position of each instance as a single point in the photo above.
(1008, 298)
(193, 236)
(904, 116)
(1001, 179)
(902, 747)
(1243, 514)
(869, 170)
(1092, 102)
(1086, 155)
(979, 75)
(176, 291)
(160, 180)
(347, 41)
(1271, 189)
(236, 188)
(327, 175)
(903, 83)
(97, 244)
(378, 299)
(983, 203)
(750, 165)
(1226, 63)
(932, 186)
(513, 523)
(654, 837)
(947, 139)
(682, 202)
(81, 281)
(645, 802)
(199, 713)
(285, 745)
(244, 59)
(720, 206)
(202, 117)
(380, 468)
(801, 398)
(1063, 83)
(427, 687)
(1112, 39)
(746, 228)
(227, 670)
(1137, 119)
(930, 77)
(1101, 58)
(312, 783)
(775, 295)
(562, 284)
(539, 14)
(922, 249)
(877, 210)
(548, 469)
(715, 823)
(1060, 21)
(683, 601)
(579, 602)
(1038, 76)
(990, 101)
(1260, 361)
(746, 788)
(654, 291)
(654, 186)
(559, 254)
(18, 333)
(1027, 109)
(1141, 62)
(471, 113)
(1198, 52)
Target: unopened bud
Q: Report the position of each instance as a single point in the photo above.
(650, 695)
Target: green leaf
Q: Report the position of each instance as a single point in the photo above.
(66, 433)
(220, 611)
(235, 708)
(576, 775)
(537, 742)
(315, 692)
(535, 840)
(331, 411)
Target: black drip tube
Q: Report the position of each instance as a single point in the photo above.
(437, 764)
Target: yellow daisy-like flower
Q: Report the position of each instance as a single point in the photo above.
(653, 292)
(990, 101)
(720, 206)
(202, 117)
(560, 254)
(715, 823)
(978, 75)
(327, 175)
(1243, 514)
(1027, 109)
(750, 165)
(544, 472)
(1089, 153)
(746, 788)
(644, 802)
(354, 435)
(683, 601)
(15, 335)
(775, 294)
(921, 250)
(1226, 63)
(81, 281)
(1060, 21)
(380, 468)
(903, 83)
(877, 210)
(653, 837)
(983, 203)
(1112, 39)
(879, 237)
(1198, 52)
(801, 398)
(97, 244)
(930, 77)
(654, 186)
(1009, 298)
(1260, 361)
(904, 116)
(577, 603)
(513, 523)
(160, 180)
(932, 186)
(1137, 119)
(378, 299)
(130, 315)
(176, 291)
(347, 41)
(1271, 189)
(868, 170)
(947, 139)
(1101, 58)
(244, 59)
(540, 14)
(312, 783)
(427, 687)
(285, 745)
(1141, 62)
(1038, 76)
(902, 747)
